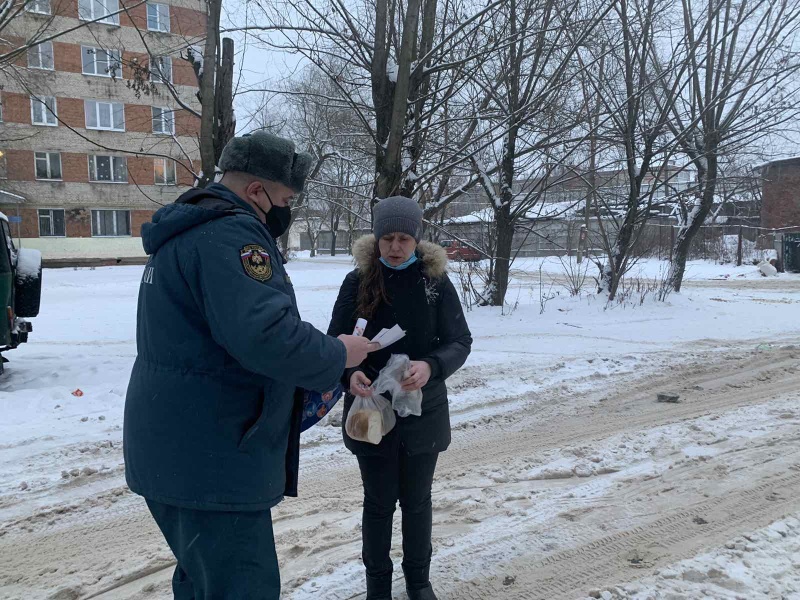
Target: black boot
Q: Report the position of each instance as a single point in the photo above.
(418, 584)
(425, 593)
(379, 588)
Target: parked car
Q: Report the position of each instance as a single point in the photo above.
(20, 290)
(457, 250)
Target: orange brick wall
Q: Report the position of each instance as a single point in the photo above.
(75, 167)
(187, 22)
(129, 59)
(186, 123)
(70, 111)
(65, 8)
(136, 16)
(183, 72)
(11, 43)
(67, 57)
(138, 218)
(140, 170)
(183, 173)
(20, 165)
(78, 222)
(16, 108)
(30, 222)
(138, 118)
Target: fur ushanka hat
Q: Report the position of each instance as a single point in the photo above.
(267, 156)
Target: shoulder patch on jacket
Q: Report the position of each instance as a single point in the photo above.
(256, 262)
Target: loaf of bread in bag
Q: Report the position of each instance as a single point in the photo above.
(365, 426)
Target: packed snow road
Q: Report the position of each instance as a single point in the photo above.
(565, 476)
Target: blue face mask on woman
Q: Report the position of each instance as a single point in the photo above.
(411, 260)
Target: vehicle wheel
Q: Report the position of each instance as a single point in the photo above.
(28, 283)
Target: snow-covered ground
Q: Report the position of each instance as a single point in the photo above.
(561, 456)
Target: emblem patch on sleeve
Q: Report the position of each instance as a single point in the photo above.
(256, 262)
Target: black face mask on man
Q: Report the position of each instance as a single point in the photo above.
(277, 219)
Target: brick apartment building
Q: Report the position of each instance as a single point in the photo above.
(86, 159)
(780, 199)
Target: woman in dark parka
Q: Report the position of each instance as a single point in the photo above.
(402, 281)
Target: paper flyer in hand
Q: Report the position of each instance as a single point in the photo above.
(387, 337)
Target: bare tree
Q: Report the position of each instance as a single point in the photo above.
(532, 114)
(636, 152)
(742, 86)
(326, 128)
(398, 67)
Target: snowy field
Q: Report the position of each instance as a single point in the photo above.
(566, 479)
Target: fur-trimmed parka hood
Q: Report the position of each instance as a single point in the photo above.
(433, 256)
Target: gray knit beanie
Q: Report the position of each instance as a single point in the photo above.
(397, 214)
(267, 156)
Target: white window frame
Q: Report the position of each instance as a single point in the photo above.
(48, 112)
(37, 52)
(50, 217)
(165, 118)
(155, 74)
(48, 156)
(96, 222)
(111, 55)
(34, 6)
(88, 10)
(95, 106)
(165, 163)
(161, 17)
(112, 159)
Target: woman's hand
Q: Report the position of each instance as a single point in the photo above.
(418, 374)
(359, 385)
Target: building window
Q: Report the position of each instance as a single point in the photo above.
(102, 10)
(1, 108)
(161, 69)
(41, 56)
(43, 111)
(97, 61)
(51, 222)
(109, 223)
(165, 172)
(109, 116)
(163, 120)
(158, 17)
(111, 169)
(41, 7)
(48, 165)
(3, 165)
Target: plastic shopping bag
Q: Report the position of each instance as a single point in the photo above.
(370, 419)
(390, 380)
(318, 404)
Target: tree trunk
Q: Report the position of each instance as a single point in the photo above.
(695, 220)
(389, 165)
(207, 89)
(224, 116)
(502, 261)
(739, 247)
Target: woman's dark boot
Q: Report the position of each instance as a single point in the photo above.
(418, 584)
(423, 594)
(379, 588)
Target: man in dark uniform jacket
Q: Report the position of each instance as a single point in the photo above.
(212, 415)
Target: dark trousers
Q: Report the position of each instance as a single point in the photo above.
(387, 480)
(221, 555)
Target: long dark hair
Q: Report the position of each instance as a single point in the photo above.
(372, 291)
